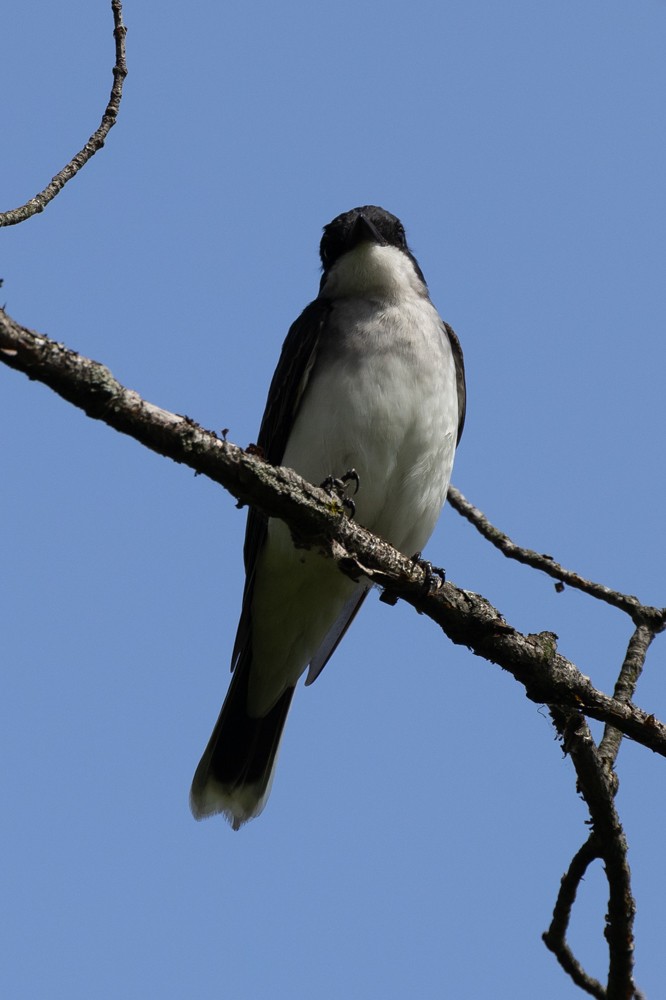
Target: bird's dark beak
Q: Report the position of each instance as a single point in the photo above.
(363, 231)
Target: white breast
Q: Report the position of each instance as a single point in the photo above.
(382, 399)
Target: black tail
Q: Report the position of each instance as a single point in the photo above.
(235, 773)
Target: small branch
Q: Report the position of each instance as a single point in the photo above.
(597, 784)
(94, 143)
(625, 686)
(555, 937)
(597, 780)
(467, 618)
(639, 613)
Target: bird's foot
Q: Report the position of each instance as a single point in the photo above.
(338, 487)
(434, 575)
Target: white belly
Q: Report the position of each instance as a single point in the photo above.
(387, 407)
(382, 399)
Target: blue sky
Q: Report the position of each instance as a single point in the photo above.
(422, 813)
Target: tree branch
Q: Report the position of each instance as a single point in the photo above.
(597, 780)
(625, 687)
(555, 937)
(639, 613)
(94, 143)
(317, 520)
(597, 783)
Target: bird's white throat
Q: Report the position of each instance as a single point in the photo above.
(370, 269)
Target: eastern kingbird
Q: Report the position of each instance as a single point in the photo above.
(369, 379)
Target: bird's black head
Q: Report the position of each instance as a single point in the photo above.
(367, 223)
(351, 228)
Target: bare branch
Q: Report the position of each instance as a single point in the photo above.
(597, 784)
(625, 687)
(467, 618)
(639, 613)
(597, 780)
(94, 143)
(555, 937)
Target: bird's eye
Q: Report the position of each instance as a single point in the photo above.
(325, 250)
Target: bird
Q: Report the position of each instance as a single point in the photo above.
(370, 389)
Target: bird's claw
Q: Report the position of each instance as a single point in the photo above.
(338, 487)
(352, 476)
(433, 574)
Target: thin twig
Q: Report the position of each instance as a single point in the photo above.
(555, 937)
(94, 143)
(625, 686)
(597, 779)
(639, 613)
(597, 786)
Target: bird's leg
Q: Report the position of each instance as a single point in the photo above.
(338, 487)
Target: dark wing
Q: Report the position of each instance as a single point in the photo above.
(460, 377)
(297, 359)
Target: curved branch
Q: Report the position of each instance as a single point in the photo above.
(597, 784)
(555, 937)
(467, 618)
(94, 143)
(597, 781)
(639, 613)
